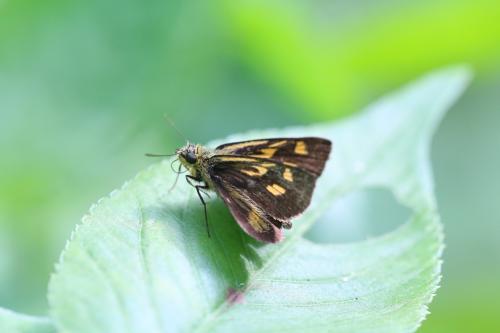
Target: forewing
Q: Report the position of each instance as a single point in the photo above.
(279, 190)
(307, 153)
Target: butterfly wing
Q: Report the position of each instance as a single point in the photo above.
(279, 190)
(268, 182)
(308, 153)
(250, 218)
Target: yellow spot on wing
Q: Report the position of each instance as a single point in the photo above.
(275, 189)
(278, 144)
(236, 159)
(288, 175)
(245, 144)
(300, 148)
(266, 153)
(259, 171)
(257, 222)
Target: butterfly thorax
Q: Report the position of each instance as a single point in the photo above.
(195, 159)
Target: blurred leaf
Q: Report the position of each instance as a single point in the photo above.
(331, 56)
(141, 260)
(11, 322)
(82, 81)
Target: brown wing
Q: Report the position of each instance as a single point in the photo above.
(307, 153)
(279, 190)
(250, 218)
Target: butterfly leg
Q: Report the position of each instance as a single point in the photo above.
(199, 190)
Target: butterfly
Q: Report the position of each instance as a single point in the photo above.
(264, 182)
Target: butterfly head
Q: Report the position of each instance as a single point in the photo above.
(190, 156)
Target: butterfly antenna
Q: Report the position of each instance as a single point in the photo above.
(159, 155)
(171, 123)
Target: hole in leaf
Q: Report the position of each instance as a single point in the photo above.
(358, 216)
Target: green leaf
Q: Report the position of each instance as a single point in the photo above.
(141, 260)
(11, 322)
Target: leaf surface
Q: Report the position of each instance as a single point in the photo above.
(141, 260)
(12, 322)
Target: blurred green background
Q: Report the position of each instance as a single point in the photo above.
(84, 86)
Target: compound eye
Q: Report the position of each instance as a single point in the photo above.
(190, 157)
